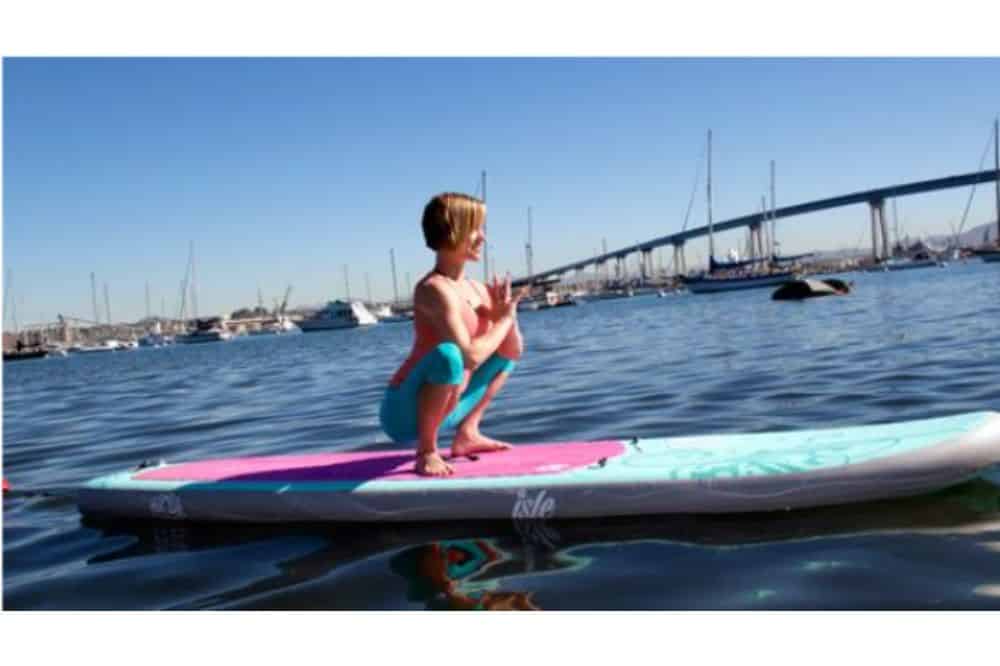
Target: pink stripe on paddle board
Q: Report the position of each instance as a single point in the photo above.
(387, 465)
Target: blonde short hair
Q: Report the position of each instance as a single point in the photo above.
(449, 218)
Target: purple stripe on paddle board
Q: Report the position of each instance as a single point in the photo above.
(387, 465)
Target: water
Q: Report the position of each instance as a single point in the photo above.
(904, 345)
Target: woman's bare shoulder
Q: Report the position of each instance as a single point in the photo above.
(432, 290)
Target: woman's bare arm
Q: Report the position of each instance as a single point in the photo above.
(512, 345)
(441, 307)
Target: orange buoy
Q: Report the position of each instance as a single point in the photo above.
(6, 486)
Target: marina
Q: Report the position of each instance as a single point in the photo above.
(762, 267)
(58, 339)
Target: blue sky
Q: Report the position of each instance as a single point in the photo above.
(281, 171)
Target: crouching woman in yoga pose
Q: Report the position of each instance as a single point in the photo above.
(467, 340)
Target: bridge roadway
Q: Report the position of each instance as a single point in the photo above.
(872, 197)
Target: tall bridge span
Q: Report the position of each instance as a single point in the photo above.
(875, 198)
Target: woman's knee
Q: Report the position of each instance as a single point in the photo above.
(511, 346)
(448, 366)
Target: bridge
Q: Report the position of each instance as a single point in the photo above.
(874, 198)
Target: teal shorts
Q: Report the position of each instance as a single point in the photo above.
(441, 365)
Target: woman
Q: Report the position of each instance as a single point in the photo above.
(466, 343)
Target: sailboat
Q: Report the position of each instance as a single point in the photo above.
(731, 275)
(155, 337)
(206, 329)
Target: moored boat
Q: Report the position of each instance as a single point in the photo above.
(24, 354)
(338, 314)
(906, 263)
(736, 275)
(280, 326)
(384, 314)
(155, 337)
(210, 329)
(709, 284)
(104, 346)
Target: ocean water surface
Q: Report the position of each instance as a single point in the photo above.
(904, 345)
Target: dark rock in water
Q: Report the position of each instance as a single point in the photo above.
(797, 290)
(840, 286)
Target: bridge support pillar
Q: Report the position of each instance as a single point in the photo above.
(885, 229)
(873, 208)
(680, 266)
(618, 267)
(880, 229)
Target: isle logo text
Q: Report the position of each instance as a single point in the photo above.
(537, 507)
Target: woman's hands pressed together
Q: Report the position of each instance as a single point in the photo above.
(503, 302)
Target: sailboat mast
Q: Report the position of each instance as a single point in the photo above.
(996, 166)
(182, 313)
(107, 303)
(711, 240)
(93, 296)
(528, 248)
(6, 297)
(395, 289)
(773, 209)
(194, 285)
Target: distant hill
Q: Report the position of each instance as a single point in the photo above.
(970, 238)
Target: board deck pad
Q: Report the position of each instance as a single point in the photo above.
(522, 460)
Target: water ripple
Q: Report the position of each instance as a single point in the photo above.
(902, 346)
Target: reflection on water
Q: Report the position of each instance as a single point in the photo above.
(459, 575)
(643, 367)
(819, 558)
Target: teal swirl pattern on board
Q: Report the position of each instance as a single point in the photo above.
(769, 454)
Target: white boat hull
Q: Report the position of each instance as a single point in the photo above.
(338, 315)
(105, 347)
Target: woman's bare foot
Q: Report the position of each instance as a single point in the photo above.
(468, 443)
(432, 464)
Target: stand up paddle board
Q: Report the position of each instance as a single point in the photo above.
(699, 474)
